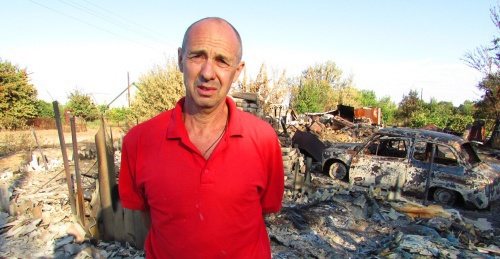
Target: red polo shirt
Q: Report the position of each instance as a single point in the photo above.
(203, 208)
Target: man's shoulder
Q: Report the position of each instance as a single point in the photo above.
(250, 119)
(255, 124)
(153, 126)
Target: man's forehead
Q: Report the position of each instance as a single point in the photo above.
(213, 28)
(217, 38)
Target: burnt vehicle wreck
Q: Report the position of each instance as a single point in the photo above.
(401, 159)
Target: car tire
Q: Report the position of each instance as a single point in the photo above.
(338, 171)
(445, 196)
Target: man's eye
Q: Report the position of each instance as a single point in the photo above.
(195, 57)
(222, 63)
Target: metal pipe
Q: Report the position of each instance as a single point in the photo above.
(429, 173)
(79, 192)
(71, 195)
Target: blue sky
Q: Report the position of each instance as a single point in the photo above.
(390, 47)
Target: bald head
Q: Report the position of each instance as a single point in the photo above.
(217, 20)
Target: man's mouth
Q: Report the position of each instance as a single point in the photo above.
(206, 90)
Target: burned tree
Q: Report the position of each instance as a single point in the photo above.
(486, 59)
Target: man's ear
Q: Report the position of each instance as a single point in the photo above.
(179, 59)
(240, 67)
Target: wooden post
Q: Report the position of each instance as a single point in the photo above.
(71, 194)
(79, 191)
(39, 149)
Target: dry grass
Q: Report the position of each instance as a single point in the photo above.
(15, 141)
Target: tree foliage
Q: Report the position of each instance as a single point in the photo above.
(367, 98)
(44, 109)
(408, 109)
(118, 115)
(415, 113)
(160, 89)
(486, 59)
(18, 98)
(323, 88)
(389, 109)
(309, 96)
(80, 104)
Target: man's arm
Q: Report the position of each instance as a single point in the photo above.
(273, 196)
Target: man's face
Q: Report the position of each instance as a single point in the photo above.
(210, 62)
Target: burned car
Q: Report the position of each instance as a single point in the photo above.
(400, 159)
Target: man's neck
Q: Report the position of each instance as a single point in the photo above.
(203, 120)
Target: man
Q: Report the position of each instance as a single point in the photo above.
(204, 173)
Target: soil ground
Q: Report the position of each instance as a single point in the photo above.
(48, 141)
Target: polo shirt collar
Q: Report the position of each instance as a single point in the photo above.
(177, 129)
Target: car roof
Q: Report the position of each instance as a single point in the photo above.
(421, 134)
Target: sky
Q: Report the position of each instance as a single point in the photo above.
(388, 46)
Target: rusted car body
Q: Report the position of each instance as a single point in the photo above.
(400, 159)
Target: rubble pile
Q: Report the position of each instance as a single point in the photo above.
(290, 157)
(37, 221)
(341, 221)
(249, 102)
(355, 133)
(324, 219)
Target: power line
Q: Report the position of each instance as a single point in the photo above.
(95, 26)
(102, 17)
(126, 19)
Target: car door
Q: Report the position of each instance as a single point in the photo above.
(446, 169)
(382, 162)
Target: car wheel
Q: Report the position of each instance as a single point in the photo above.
(445, 196)
(338, 171)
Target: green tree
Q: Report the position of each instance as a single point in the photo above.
(467, 108)
(438, 113)
(323, 88)
(81, 105)
(410, 107)
(18, 98)
(117, 115)
(160, 89)
(309, 96)
(367, 98)
(389, 109)
(44, 109)
(340, 92)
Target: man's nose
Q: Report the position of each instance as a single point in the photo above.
(207, 71)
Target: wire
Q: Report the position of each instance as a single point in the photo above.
(95, 26)
(100, 16)
(127, 20)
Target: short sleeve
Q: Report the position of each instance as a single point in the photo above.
(272, 198)
(132, 197)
